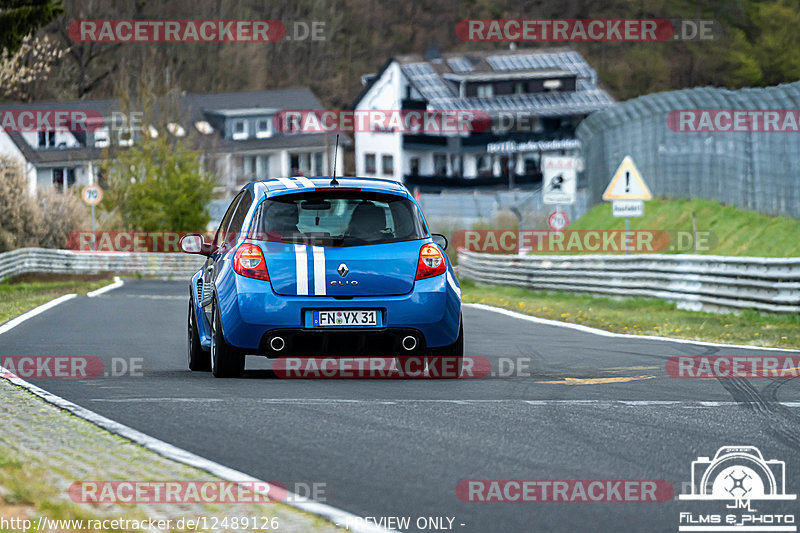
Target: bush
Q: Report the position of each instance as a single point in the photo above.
(61, 215)
(44, 221)
(20, 216)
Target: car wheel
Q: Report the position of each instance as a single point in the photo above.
(448, 361)
(199, 359)
(226, 362)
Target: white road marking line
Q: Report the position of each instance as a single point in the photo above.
(289, 184)
(328, 512)
(604, 333)
(305, 181)
(301, 266)
(117, 284)
(35, 311)
(156, 400)
(685, 404)
(319, 270)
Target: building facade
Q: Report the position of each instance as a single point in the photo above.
(534, 100)
(234, 132)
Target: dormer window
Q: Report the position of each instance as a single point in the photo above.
(263, 128)
(552, 85)
(125, 137)
(176, 129)
(47, 139)
(204, 127)
(486, 90)
(101, 138)
(239, 129)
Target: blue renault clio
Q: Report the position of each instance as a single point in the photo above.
(323, 267)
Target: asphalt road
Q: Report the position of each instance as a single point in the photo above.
(400, 447)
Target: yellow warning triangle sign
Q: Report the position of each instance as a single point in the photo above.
(627, 183)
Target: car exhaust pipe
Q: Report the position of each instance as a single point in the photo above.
(409, 343)
(277, 344)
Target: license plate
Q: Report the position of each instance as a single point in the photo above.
(345, 317)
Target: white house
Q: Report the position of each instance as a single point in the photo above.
(534, 98)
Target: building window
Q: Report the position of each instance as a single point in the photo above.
(247, 168)
(485, 90)
(101, 138)
(263, 128)
(388, 165)
(485, 165)
(552, 85)
(413, 165)
(262, 167)
(456, 164)
(519, 87)
(60, 174)
(369, 163)
(125, 137)
(319, 164)
(440, 164)
(47, 139)
(298, 164)
(239, 129)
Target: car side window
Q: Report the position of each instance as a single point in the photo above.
(237, 221)
(219, 238)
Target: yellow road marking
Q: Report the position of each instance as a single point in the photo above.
(596, 381)
(618, 368)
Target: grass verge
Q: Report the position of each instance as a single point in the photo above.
(642, 316)
(23, 293)
(735, 232)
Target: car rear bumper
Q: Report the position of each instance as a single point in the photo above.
(253, 313)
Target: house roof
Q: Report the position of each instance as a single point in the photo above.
(437, 79)
(191, 108)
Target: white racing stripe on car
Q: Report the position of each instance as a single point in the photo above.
(319, 270)
(301, 265)
(289, 184)
(305, 181)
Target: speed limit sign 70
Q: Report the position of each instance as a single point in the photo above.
(558, 220)
(92, 194)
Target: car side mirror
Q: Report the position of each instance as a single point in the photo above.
(440, 239)
(194, 244)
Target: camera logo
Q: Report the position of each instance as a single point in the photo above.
(738, 475)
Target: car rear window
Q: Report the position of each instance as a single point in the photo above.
(343, 218)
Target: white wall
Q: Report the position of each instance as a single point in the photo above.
(385, 94)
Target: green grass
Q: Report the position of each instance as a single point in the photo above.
(734, 231)
(642, 316)
(25, 292)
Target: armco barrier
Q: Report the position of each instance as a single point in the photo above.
(30, 260)
(694, 281)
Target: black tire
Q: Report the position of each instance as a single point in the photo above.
(447, 362)
(199, 359)
(226, 362)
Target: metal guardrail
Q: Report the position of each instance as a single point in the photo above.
(31, 260)
(694, 281)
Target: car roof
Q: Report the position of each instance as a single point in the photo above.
(279, 186)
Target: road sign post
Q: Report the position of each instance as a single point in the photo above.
(627, 191)
(92, 194)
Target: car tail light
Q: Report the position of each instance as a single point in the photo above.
(431, 262)
(249, 262)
